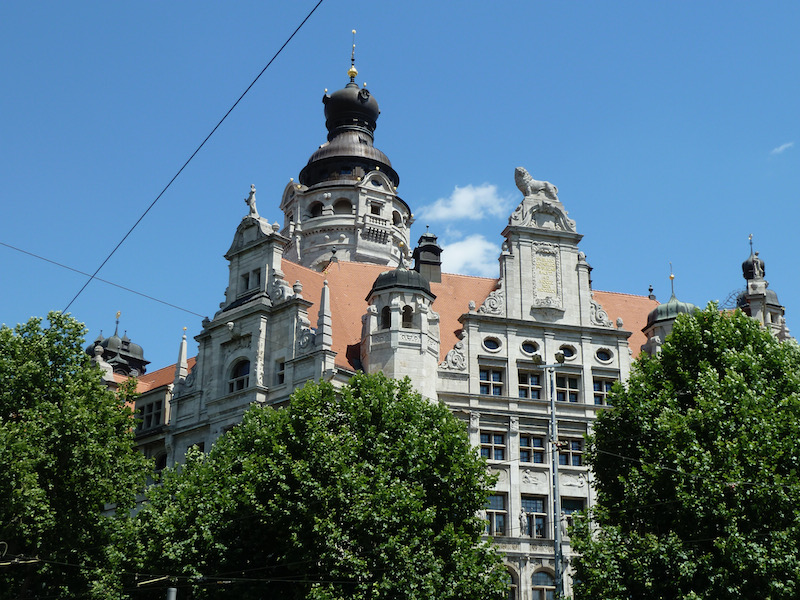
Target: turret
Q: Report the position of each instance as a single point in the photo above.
(400, 336)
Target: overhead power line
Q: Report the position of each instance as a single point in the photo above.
(166, 187)
(122, 287)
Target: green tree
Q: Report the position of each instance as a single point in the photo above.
(370, 491)
(696, 470)
(66, 450)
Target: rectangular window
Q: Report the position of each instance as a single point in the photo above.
(280, 372)
(571, 505)
(530, 385)
(493, 445)
(496, 515)
(567, 388)
(602, 387)
(570, 453)
(491, 382)
(535, 516)
(531, 449)
(150, 415)
(245, 283)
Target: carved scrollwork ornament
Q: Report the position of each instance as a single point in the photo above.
(598, 315)
(455, 359)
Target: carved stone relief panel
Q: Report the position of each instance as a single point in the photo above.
(546, 276)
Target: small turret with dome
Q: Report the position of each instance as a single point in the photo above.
(346, 197)
(757, 300)
(124, 357)
(400, 335)
(661, 319)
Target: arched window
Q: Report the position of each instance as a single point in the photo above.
(511, 584)
(315, 210)
(408, 317)
(386, 317)
(544, 586)
(342, 207)
(240, 376)
(397, 220)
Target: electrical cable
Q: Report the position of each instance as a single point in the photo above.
(122, 287)
(153, 203)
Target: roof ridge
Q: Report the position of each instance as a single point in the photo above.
(625, 294)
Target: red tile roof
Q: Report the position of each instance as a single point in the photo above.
(351, 282)
(156, 379)
(632, 309)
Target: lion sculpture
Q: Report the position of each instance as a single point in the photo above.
(533, 187)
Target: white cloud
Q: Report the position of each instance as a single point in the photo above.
(474, 255)
(780, 149)
(468, 202)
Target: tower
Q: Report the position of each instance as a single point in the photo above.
(345, 203)
(757, 300)
(400, 334)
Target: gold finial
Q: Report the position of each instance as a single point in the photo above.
(672, 279)
(352, 72)
(118, 314)
(184, 328)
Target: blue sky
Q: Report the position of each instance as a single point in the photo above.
(669, 129)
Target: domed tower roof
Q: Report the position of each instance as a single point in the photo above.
(351, 115)
(753, 267)
(669, 311)
(124, 356)
(400, 278)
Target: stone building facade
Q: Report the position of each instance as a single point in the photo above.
(331, 290)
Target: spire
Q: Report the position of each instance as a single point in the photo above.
(671, 281)
(352, 72)
(325, 320)
(182, 366)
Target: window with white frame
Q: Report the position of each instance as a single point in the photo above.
(544, 586)
(496, 515)
(535, 517)
(530, 384)
(570, 453)
(240, 376)
(602, 387)
(531, 448)
(493, 445)
(491, 381)
(568, 388)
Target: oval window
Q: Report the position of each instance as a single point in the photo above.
(567, 351)
(491, 344)
(529, 347)
(603, 355)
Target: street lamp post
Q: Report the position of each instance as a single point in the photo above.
(554, 447)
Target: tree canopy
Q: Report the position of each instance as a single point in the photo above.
(696, 470)
(370, 491)
(66, 450)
